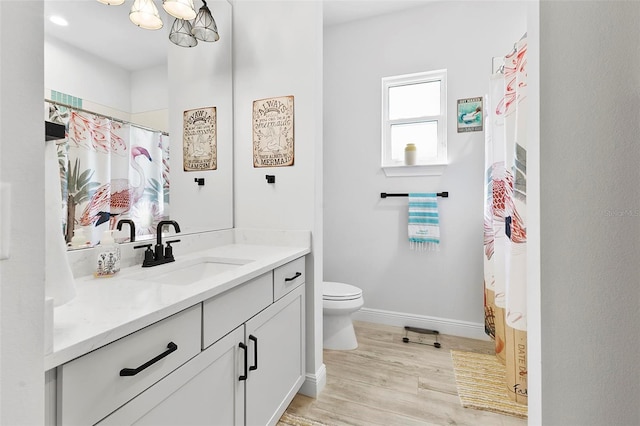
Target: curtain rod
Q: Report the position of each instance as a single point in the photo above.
(119, 120)
(444, 194)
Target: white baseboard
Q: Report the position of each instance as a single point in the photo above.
(443, 325)
(314, 383)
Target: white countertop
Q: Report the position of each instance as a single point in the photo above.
(107, 309)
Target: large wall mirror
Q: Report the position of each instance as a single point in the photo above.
(126, 92)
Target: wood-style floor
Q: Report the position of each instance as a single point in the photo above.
(388, 382)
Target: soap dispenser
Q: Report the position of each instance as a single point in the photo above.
(79, 239)
(108, 256)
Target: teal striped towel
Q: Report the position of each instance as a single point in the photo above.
(424, 223)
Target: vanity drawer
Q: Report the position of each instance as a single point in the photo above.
(287, 277)
(91, 387)
(224, 312)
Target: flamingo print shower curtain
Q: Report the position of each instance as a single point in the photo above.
(109, 171)
(505, 235)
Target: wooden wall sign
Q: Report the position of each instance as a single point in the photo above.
(200, 139)
(273, 137)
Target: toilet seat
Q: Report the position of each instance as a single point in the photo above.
(340, 291)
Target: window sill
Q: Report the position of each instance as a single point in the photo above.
(418, 170)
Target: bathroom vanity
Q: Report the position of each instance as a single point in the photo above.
(217, 337)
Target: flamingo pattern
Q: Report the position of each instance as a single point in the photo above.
(116, 197)
(104, 177)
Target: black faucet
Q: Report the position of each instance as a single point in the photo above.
(160, 255)
(132, 228)
(159, 252)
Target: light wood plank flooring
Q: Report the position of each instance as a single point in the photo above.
(388, 382)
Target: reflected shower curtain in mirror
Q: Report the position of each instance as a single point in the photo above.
(109, 171)
(505, 235)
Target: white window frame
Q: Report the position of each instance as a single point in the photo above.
(426, 166)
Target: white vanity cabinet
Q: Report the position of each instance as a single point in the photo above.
(94, 385)
(239, 361)
(275, 342)
(202, 392)
(229, 310)
(287, 277)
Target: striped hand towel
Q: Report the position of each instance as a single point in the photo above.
(424, 225)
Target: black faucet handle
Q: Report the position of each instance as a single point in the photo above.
(148, 254)
(168, 251)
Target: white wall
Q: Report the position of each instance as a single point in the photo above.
(150, 98)
(21, 165)
(201, 77)
(365, 236)
(149, 89)
(141, 97)
(278, 52)
(75, 72)
(590, 212)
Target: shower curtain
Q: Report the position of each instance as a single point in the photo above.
(505, 235)
(110, 170)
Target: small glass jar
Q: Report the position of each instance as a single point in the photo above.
(410, 154)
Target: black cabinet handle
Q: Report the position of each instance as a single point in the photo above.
(244, 376)
(255, 353)
(171, 347)
(293, 277)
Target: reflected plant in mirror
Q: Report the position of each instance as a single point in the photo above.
(110, 170)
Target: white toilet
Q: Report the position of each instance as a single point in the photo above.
(339, 301)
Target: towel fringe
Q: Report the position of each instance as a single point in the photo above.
(424, 246)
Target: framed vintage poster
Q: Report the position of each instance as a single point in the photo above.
(470, 116)
(273, 132)
(200, 139)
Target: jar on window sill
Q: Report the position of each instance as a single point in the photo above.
(410, 154)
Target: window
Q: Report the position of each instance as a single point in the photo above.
(414, 110)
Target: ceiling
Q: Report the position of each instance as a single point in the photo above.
(342, 11)
(106, 32)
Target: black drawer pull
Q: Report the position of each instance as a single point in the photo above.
(244, 376)
(255, 352)
(171, 347)
(298, 274)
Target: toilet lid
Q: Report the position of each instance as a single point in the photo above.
(340, 291)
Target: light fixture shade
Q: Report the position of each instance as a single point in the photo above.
(181, 33)
(112, 2)
(182, 9)
(204, 26)
(144, 14)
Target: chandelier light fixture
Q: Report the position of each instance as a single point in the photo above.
(182, 9)
(144, 14)
(181, 33)
(188, 27)
(204, 27)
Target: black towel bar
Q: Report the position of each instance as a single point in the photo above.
(444, 194)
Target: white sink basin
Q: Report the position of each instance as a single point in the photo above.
(191, 271)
